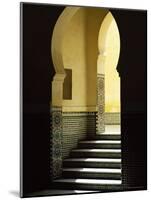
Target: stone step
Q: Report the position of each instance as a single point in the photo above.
(105, 136)
(88, 184)
(95, 173)
(96, 153)
(92, 162)
(109, 144)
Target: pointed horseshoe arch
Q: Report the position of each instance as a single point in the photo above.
(56, 52)
(99, 33)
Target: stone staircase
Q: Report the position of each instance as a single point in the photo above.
(94, 165)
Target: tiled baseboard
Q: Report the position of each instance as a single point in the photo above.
(112, 118)
(76, 126)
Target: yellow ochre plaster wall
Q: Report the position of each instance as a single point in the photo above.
(87, 52)
(74, 58)
(112, 79)
(95, 17)
(109, 50)
(80, 51)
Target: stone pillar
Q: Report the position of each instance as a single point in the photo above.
(57, 90)
(56, 128)
(100, 123)
(100, 104)
(56, 142)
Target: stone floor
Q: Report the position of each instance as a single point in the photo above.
(53, 192)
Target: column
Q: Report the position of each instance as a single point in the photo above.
(56, 128)
(100, 123)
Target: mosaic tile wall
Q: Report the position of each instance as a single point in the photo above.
(100, 103)
(77, 126)
(66, 130)
(112, 118)
(56, 142)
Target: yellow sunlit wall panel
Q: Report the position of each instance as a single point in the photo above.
(112, 79)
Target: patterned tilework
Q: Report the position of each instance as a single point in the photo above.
(100, 103)
(112, 118)
(77, 126)
(56, 142)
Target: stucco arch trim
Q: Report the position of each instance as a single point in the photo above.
(58, 37)
(102, 41)
(59, 32)
(102, 36)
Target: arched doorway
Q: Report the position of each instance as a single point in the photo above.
(108, 80)
(75, 49)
